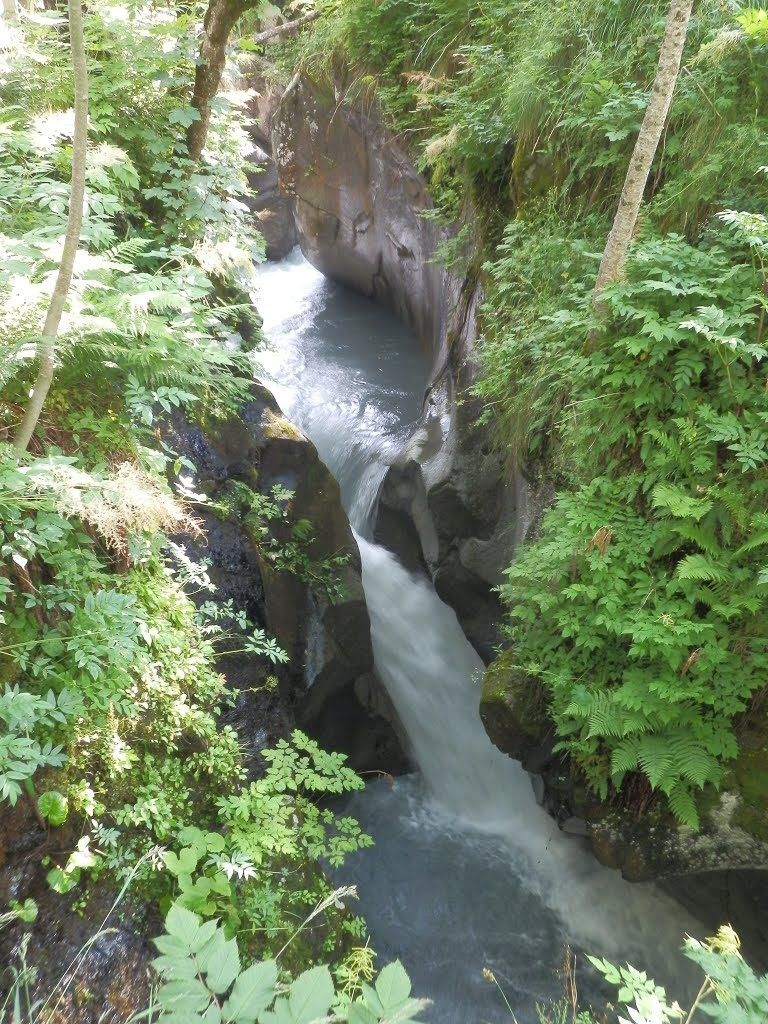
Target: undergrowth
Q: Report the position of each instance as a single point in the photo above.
(640, 608)
(111, 698)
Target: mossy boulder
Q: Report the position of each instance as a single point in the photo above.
(310, 601)
(733, 832)
(512, 708)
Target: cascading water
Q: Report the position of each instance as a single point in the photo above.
(468, 871)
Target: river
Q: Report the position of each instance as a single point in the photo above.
(468, 872)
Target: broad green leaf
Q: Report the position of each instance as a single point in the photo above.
(183, 864)
(182, 924)
(220, 962)
(184, 994)
(253, 991)
(54, 807)
(311, 995)
(393, 986)
(360, 1014)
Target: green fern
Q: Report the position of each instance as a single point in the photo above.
(678, 503)
(702, 568)
(683, 806)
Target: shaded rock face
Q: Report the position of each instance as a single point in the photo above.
(113, 980)
(326, 636)
(448, 504)
(272, 210)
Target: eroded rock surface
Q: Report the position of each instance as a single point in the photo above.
(272, 210)
(449, 504)
(325, 633)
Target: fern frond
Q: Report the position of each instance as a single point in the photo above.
(678, 503)
(702, 536)
(702, 568)
(606, 718)
(759, 540)
(624, 757)
(683, 806)
(692, 761)
(655, 758)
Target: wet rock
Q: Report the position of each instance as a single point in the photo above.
(314, 606)
(272, 210)
(656, 846)
(449, 502)
(513, 711)
(112, 982)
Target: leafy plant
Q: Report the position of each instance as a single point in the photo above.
(740, 996)
(203, 980)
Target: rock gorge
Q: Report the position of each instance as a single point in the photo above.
(449, 506)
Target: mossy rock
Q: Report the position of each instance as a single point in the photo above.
(512, 708)
(749, 778)
(277, 427)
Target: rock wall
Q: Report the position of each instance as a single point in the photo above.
(449, 504)
(327, 686)
(272, 210)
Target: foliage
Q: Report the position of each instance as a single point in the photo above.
(111, 701)
(740, 996)
(284, 542)
(639, 607)
(143, 301)
(203, 980)
(512, 101)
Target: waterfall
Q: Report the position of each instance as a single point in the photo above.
(468, 871)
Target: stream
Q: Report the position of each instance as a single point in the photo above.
(468, 872)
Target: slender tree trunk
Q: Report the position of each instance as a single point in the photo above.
(47, 344)
(9, 11)
(219, 21)
(612, 263)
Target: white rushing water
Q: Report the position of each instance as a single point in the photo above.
(468, 871)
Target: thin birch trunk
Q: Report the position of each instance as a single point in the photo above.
(47, 345)
(615, 254)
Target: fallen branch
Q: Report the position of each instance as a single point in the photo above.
(286, 29)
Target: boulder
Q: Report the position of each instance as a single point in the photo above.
(312, 603)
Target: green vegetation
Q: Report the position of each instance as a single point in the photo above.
(111, 697)
(639, 612)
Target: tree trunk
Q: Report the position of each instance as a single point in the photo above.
(9, 11)
(47, 344)
(612, 263)
(219, 21)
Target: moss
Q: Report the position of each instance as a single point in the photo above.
(507, 686)
(512, 707)
(749, 777)
(277, 427)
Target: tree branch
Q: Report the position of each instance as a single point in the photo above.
(286, 29)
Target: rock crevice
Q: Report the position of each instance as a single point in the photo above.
(362, 217)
